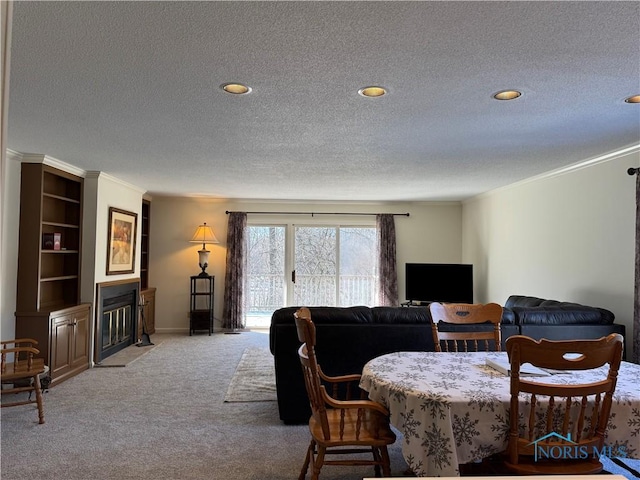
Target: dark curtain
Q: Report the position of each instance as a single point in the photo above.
(636, 300)
(388, 273)
(232, 313)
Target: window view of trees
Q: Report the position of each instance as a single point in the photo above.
(265, 279)
(358, 267)
(334, 266)
(315, 265)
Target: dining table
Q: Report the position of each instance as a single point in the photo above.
(453, 408)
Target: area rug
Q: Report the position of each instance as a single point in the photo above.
(126, 356)
(254, 379)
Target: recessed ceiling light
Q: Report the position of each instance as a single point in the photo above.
(633, 99)
(372, 91)
(507, 95)
(236, 88)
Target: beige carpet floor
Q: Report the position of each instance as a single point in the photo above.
(163, 417)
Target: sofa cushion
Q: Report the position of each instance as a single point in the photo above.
(523, 301)
(404, 315)
(508, 316)
(570, 332)
(325, 315)
(539, 311)
(559, 315)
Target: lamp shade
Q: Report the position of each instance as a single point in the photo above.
(204, 235)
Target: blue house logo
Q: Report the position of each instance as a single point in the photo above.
(565, 448)
(553, 451)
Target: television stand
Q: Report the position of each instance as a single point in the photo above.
(412, 303)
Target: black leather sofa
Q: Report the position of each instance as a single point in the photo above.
(348, 337)
(539, 318)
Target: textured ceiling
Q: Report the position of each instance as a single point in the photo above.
(133, 89)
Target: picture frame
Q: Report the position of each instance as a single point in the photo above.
(121, 242)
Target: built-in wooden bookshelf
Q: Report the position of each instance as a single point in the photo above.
(48, 305)
(50, 205)
(144, 249)
(147, 293)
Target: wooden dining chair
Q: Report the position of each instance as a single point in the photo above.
(560, 428)
(468, 317)
(339, 427)
(23, 373)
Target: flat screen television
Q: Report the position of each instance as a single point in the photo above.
(439, 282)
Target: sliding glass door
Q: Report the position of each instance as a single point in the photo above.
(265, 289)
(328, 265)
(335, 266)
(315, 266)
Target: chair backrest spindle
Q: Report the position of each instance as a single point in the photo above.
(467, 316)
(575, 415)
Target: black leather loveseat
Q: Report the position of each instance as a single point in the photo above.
(348, 337)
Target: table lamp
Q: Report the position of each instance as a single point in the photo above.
(204, 235)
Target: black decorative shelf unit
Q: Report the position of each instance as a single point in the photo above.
(201, 308)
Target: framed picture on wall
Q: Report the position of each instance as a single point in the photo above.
(121, 244)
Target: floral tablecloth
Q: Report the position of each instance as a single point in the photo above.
(452, 408)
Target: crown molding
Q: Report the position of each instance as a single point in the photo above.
(105, 176)
(607, 157)
(53, 162)
(67, 167)
(13, 155)
(313, 203)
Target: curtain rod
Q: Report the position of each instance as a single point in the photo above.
(634, 171)
(314, 213)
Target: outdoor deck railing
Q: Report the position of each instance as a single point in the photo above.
(266, 293)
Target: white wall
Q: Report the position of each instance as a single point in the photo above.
(102, 191)
(6, 176)
(432, 233)
(568, 236)
(9, 244)
(89, 232)
(112, 192)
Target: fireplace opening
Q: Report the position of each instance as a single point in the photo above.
(116, 318)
